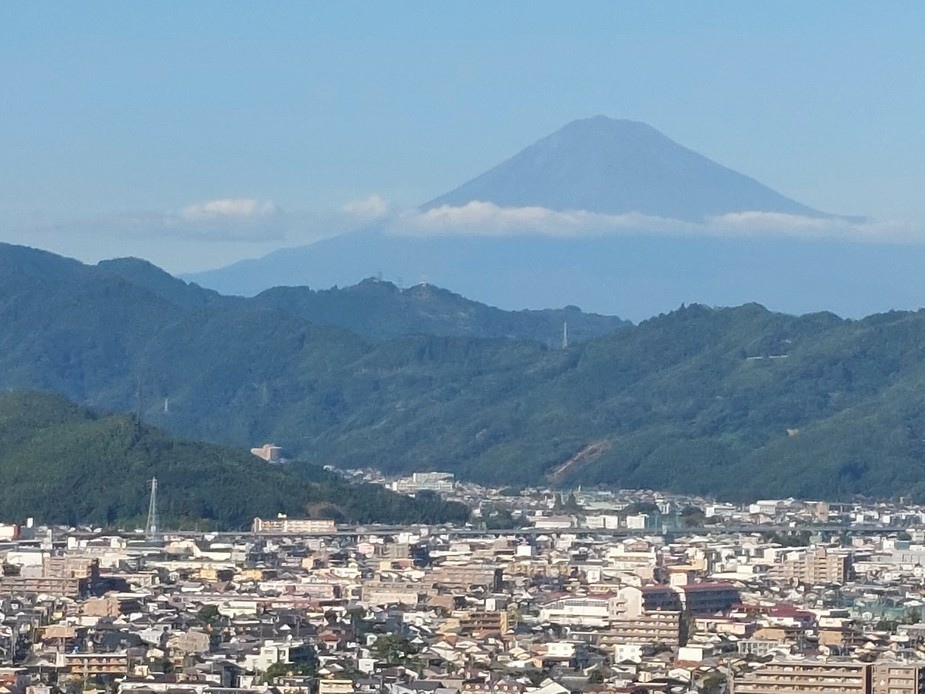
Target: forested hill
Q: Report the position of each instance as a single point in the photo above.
(62, 463)
(738, 402)
(374, 309)
(380, 310)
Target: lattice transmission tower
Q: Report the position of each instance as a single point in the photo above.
(151, 527)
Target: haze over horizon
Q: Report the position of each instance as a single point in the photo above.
(217, 133)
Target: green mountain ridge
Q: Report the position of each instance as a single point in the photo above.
(62, 463)
(376, 309)
(740, 403)
(380, 311)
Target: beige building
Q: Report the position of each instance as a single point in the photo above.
(898, 678)
(648, 628)
(106, 606)
(815, 566)
(386, 593)
(68, 566)
(335, 686)
(67, 587)
(191, 641)
(483, 623)
(824, 566)
(93, 664)
(68, 576)
(805, 677)
(462, 576)
(269, 452)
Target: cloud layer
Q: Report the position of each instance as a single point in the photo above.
(216, 232)
(373, 207)
(229, 209)
(219, 220)
(488, 219)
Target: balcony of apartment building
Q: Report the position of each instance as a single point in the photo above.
(91, 664)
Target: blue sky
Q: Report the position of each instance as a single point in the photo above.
(157, 129)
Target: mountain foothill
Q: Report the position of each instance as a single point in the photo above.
(734, 402)
(738, 403)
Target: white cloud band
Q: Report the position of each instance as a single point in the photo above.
(228, 209)
(487, 219)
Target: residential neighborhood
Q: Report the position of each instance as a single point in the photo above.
(543, 591)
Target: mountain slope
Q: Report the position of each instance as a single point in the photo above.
(740, 402)
(143, 274)
(619, 167)
(66, 464)
(372, 309)
(380, 310)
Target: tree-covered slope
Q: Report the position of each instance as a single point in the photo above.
(380, 310)
(374, 309)
(739, 402)
(62, 463)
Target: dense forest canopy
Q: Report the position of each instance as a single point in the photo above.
(736, 402)
(62, 463)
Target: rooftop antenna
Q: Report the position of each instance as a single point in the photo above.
(151, 526)
(565, 335)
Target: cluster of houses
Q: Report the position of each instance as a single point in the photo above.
(309, 607)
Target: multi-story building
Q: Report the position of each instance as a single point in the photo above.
(69, 566)
(708, 598)
(759, 647)
(391, 593)
(898, 678)
(95, 664)
(660, 627)
(69, 576)
(805, 677)
(483, 623)
(653, 598)
(294, 526)
(588, 611)
(463, 576)
(393, 550)
(815, 566)
(441, 482)
(824, 566)
(65, 587)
